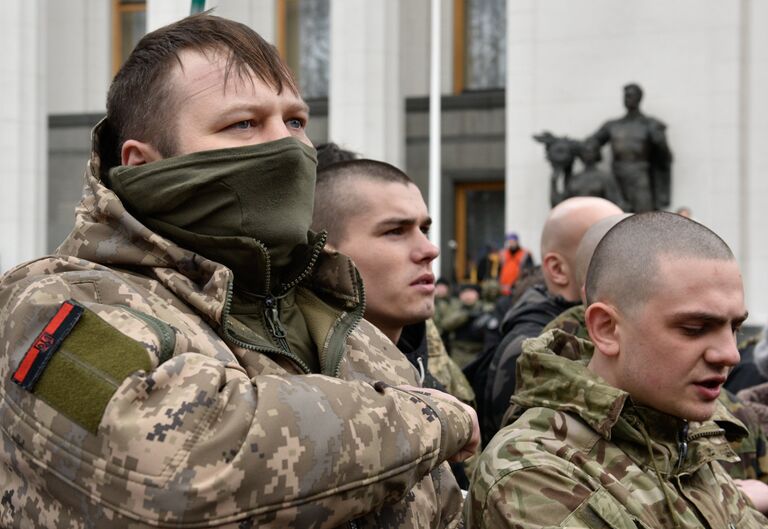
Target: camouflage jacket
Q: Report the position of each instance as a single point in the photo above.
(752, 449)
(581, 454)
(422, 346)
(444, 369)
(158, 407)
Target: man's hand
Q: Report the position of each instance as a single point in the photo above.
(474, 441)
(756, 491)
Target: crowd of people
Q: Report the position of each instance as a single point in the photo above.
(245, 331)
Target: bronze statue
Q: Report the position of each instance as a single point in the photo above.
(590, 181)
(641, 159)
(561, 153)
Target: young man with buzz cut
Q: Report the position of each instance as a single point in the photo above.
(626, 439)
(375, 214)
(191, 356)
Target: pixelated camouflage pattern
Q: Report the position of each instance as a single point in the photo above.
(753, 459)
(221, 434)
(444, 369)
(582, 455)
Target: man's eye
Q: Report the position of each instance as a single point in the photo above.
(394, 231)
(425, 230)
(693, 330)
(242, 125)
(295, 123)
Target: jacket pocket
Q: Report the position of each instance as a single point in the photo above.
(602, 511)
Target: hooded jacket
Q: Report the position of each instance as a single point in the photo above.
(158, 406)
(582, 454)
(751, 449)
(493, 374)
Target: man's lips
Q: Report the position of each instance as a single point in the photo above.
(709, 388)
(711, 382)
(424, 280)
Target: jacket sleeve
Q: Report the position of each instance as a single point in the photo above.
(194, 441)
(527, 498)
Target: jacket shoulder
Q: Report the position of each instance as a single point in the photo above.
(531, 473)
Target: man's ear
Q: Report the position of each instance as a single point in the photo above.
(556, 269)
(136, 152)
(603, 326)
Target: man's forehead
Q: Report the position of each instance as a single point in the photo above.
(401, 197)
(698, 279)
(202, 72)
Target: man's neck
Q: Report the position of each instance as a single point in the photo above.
(393, 333)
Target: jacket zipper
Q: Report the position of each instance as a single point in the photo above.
(273, 322)
(682, 446)
(245, 345)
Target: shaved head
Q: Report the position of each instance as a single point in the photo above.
(562, 233)
(625, 264)
(336, 198)
(590, 241)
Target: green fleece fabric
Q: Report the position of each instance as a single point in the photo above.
(85, 372)
(229, 205)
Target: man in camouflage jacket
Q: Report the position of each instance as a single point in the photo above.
(628, 439)
(147, 385)
(751, 449)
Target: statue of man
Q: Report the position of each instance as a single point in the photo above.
(642, 161)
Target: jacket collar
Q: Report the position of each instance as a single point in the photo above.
(552, 373)
(105, 233)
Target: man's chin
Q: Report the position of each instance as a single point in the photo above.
(700, 413)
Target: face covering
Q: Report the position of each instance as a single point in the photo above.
(227, 204)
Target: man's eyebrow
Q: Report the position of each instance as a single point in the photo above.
(708, 317)
(257, 108)
(403, 221)
(396, 221)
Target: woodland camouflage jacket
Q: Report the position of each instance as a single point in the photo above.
(751, 449)
(131, 396)
(582, 455)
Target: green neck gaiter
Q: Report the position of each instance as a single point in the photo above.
(228, 204)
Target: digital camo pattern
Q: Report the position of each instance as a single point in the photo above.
(582, 455)
(753, 459)
(219, 435)
(444, 369)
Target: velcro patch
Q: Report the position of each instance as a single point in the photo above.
(47, 342)
(77, 363)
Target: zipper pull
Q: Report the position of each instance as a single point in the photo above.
(682, 446)
(422, 374)
(273, 318)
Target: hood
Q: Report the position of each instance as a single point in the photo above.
(552, 373)
(106, 233)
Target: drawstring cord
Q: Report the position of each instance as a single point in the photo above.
(671, 508)
(422, 373)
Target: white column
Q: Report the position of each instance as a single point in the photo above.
(365, 104)
(435, 134)
(526, 193)
(754, 196)
(79, 52)
(23, 131)
(163, 12)
(256, 14)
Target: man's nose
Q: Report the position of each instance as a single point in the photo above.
(725, 351)
(426, 251)
(275, 129)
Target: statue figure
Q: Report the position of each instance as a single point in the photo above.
(641, 159)
(592, 181)
(561, 153)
